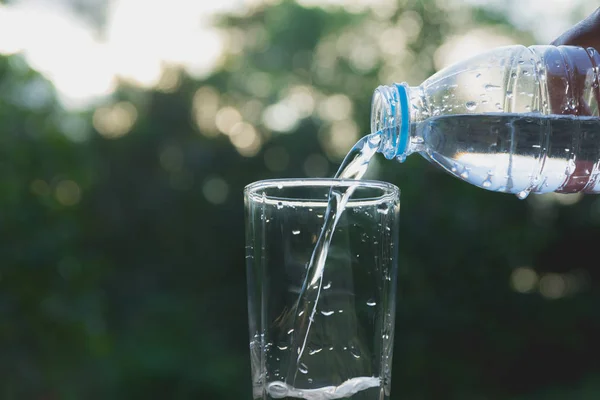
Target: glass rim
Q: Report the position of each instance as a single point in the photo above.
(251, 191)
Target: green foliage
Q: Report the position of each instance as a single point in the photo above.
(119, 279)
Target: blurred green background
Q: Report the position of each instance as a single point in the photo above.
(128, 130)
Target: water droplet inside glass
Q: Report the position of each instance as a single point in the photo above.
(312, 352)
(327, 313)
(296, 232)
(371, 303)
(382, 208)
(282, 347)
(327, 286)
(355, 353)
(303, 368)
(290, 331)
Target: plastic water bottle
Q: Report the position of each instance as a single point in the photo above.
(516, 120)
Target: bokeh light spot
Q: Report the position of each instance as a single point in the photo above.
(205, 107)
(170, 80)
(523, 279)
(553, 286)
(67, 192)
(335, 108)
(215, 190)
(226, 119)
(40, 187)
(339, 138)
(245, 139)
(280, 117)
(115, 121)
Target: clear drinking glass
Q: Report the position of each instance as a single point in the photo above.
(333, 339)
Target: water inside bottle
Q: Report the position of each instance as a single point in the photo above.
(516, 153)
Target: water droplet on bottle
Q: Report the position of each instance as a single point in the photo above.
(327, 286)
(465, 174)
(513, 75)
(340, 311)
(509, 94)
(310, 380)
(454, 167)
(522, 195)
(527, 108)
(499, 106)
(290, 331)
(525, 72)
(327, 313)
(303, 368)
(282, 347)
(312, 352)
(279, 205)
(487, 183)
(296, 232)
(471, 105)
(477, 76)
(301, 313)
(490, 87)
(572, 104)
(371, 303)
(570, 167)
(521, 62)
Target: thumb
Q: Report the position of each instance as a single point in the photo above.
(585, 34)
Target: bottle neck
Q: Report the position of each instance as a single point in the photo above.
(395, 110)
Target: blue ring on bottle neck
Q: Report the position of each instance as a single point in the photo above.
(405, 119)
